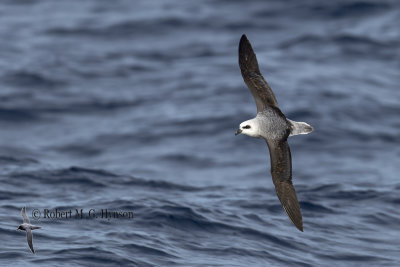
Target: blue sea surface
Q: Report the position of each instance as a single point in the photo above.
(131, 106)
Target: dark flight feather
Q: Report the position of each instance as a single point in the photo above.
(281, 171)
(251, 74)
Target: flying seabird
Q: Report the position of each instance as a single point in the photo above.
(28, 227)
(272, 125)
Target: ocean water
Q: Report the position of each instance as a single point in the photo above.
(132, 106)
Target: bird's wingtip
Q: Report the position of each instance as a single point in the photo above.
(297, 223)
(300, 227)
(243, 40)
(247, 57)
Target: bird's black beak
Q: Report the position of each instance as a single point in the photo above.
(239, 131)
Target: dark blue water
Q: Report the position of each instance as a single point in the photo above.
(133, 105)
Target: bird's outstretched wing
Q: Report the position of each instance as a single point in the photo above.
(29, 239)
(24, 216)
(281, 170)
(259, 88)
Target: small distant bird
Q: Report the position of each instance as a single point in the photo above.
(272, 125)
(28, 227)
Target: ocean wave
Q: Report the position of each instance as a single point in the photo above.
(31, 79)
(343, 9)
(364, 44)
(18, 115)
(127, 28)
(89, 255)
(9, 160)
(99, 178)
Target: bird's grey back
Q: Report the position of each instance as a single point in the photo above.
(273, 124)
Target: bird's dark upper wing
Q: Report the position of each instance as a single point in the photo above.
(281, 170)
(259, 88)
(24, 216)
(29, 239)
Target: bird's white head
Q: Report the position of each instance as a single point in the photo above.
(249, 128)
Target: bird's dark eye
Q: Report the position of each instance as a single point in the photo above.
(246, 127)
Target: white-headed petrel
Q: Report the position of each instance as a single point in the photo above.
(272, 125)
(28, 227)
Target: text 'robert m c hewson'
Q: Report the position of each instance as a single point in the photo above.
(81, 214)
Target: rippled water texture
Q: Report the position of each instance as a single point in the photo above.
(133, 105)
